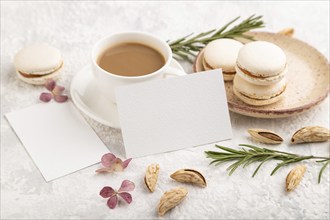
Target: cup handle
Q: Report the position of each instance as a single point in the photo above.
(171, 72)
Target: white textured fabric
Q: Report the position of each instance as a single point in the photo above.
(74, 27)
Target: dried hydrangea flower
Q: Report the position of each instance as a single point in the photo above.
(45, 97)
(55, 92)
(50, 84)
(112, 163)
(109, 192)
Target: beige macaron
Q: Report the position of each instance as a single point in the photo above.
(261, 63)
(222, 53)
(36, 63)
(257, 94)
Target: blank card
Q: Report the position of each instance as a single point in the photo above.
(171, 114)
(57, 138)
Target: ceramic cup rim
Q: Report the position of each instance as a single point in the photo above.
(168, 52)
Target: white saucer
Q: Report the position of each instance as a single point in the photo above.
(85, 96)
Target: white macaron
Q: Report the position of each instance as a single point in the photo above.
(261, 63)
(257, 94)
(222, 53)
(36, 63)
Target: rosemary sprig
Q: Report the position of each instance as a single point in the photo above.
(250, 154)
(187, 47)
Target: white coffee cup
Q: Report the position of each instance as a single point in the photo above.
(107, 82)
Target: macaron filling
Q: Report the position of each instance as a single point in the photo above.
(251, 91)
(260, 80)
(206, 65)
(33, 75)
(259, 75)
(263, 98)
(210, 67)
(257, 102)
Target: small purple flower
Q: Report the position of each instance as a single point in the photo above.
(109, 192)
(112, 163)
(55, 92)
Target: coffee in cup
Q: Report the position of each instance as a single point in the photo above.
(131, 59)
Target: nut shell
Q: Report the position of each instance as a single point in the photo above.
(265, 136)
(311, 134)
(151, 177)
(189, 176)
(287, 31)
(294, 177)
(170, 199)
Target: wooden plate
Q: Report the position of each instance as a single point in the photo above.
(308, 80)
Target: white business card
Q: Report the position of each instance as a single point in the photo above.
(165, 115)
(57, 138)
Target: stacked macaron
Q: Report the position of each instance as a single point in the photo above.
(261, 67)
(36, 63)
(222, 53)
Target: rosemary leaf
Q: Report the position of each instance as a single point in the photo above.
(252, 160)
(321, 171)
(228, 149)
(267, 158)
(279, 165)
(249, 154)
(188, 46)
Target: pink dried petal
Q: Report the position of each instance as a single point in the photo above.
(58, 90)
(126, 196)
(60, 98)
(108, 159)
(126, 186)
(118, 165)
(50, 84)
(107, 192)
(126, 162)
(112, 202)
(45, 97)
(105, 170)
